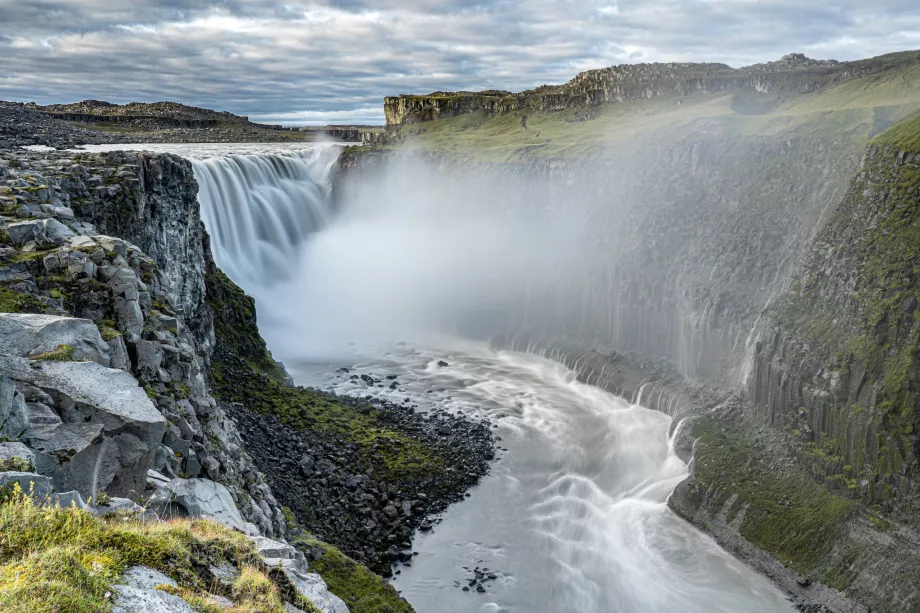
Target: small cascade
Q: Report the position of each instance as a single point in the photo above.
(260, 208)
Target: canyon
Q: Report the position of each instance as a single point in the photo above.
(734, 249)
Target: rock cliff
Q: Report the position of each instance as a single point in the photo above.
(793, 74)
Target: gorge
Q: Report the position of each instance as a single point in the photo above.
(657, 351)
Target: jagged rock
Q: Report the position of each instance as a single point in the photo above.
(14, 416)
(156, 479)
(294, 565)
(139, 593)
(149, 359)
(106, 418)
(27, 335)
(34, 484)
(12, 451)
(118, 354)
(312, 587)
(197, 498)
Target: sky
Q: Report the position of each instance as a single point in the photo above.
(313, 63)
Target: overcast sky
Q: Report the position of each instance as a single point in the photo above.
(333, 62)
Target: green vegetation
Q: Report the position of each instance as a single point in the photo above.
(905, 136)
(244, 371)
(54, 560)
(16, 302)
(15, 464)
(107, 330)
(362, 590)
(785, 512)
(62, 353)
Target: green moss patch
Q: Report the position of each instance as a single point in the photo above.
(16, 302)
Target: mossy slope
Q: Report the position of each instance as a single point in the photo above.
(55, 560)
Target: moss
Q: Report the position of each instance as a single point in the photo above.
(151, 391)
(62, 353)
(54, 560)
(785, 512)
(108, 332)
(362, 590)
(103, 499)
(16, 302)
(15, 464)
(184, 392)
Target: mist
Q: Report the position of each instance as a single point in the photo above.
(414, 253)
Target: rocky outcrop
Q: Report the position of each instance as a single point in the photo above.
(794, 73)
(96, 429)
(198, 498)
(100, 432)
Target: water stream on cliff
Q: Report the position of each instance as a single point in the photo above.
(573, 516)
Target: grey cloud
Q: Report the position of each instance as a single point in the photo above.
(303, 61)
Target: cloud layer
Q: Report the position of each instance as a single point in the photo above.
(319, 62)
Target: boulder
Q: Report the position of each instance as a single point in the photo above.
(11, 452)
(109, 430)
(33, 484)
(139, 593)
(197, 498)
(68, 499)
(27, 335)
(14, 415)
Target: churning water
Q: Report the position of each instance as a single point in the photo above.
(573, 516)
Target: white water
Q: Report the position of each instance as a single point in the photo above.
(573, 516)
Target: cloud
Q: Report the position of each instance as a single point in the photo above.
(315, 61)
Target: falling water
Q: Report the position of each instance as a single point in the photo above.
(260, 208)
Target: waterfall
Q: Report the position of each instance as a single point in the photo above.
(260, 208)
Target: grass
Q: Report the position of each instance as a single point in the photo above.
(62, 353)
(362, 590)
(55, 560)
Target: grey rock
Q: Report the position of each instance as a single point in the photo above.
(38, 486)
(14, 416)
(105, 414)
(312, 587)
(26, 335)
(67, 499)
(149, 359)
(118, 354)
(24, 231)
(8, 451)
(138, 593)
(156, 479)
(197, 498)
(55, 232)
